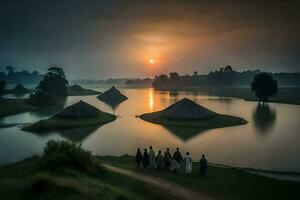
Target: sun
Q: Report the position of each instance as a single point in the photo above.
(151, 61)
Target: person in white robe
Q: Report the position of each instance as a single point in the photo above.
(188, 163)
(152, 158)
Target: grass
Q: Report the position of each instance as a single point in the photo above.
(289, 95)
(217, 121)
(59, 123)
(13, 106)
(30, 179)
(219, 182)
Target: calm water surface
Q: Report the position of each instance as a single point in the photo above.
(269, 141)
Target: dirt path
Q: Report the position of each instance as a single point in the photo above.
(171, 188)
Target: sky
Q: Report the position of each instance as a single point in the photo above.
(101, 39)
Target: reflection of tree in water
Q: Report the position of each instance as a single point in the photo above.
(184, 133)
(173, 95)
(264, 118)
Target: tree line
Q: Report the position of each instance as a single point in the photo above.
(223, 77)
(24, 77)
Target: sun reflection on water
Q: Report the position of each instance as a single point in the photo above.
(151, 99)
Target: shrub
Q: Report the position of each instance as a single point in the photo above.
(60, 154)
(40, 99)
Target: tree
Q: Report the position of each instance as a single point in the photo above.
(54, 82)
(228, 69)
(2, 86)
(264, 86)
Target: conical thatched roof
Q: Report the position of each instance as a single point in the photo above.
(19, 89)
(187, 109)
(79, 110)
(113, 95)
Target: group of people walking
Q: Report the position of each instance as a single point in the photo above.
(167, 161)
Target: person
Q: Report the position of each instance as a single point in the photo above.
(145, 159)
(203, 165)
(152, 158)
(159, 160)
(167, 158)
(138, 158)
(174, 166)
(177, 156)
(188, 163)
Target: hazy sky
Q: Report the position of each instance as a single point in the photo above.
(118, 38)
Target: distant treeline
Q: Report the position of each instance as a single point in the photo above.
(116, 81)
(24, 77)
(223, 77)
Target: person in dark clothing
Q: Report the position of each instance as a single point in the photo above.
(138, 158)
(177, 156)
(145, 159)
(202, 165)
(167, 158)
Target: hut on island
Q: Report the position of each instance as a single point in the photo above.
(19, 89)
(79, 110)
(77, 90)
(77, 115)
(187, 113)
(187, 109)
(112, 96)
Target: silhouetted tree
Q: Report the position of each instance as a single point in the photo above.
(264, 86)
(2, 86)
(54, 82)
(228, 69)
(41, 98)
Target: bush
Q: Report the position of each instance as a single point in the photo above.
(60, 154)
(40, 99)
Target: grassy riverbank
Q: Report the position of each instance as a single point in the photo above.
(25, 180)
(219, 182)
(289, 95)
(13, 106)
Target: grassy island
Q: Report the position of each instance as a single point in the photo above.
(77, 115)
(13, 106)
(186, 113)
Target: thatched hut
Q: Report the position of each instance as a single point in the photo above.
(77, 115)
(19, 89)
(187, 109)
(187, 113)
(112, 96)
(77, 90)
(79, 110)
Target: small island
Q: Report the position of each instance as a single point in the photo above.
(77, 115)
(187, 113)
(77, 90)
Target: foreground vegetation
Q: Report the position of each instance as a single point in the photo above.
(65, 171)
(219, 182)
(13, 106)
(60, 123)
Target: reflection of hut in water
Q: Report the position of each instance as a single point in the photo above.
(78, 134)
(187, 109)
(185, 133)
(112, 97)
(264, 118)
